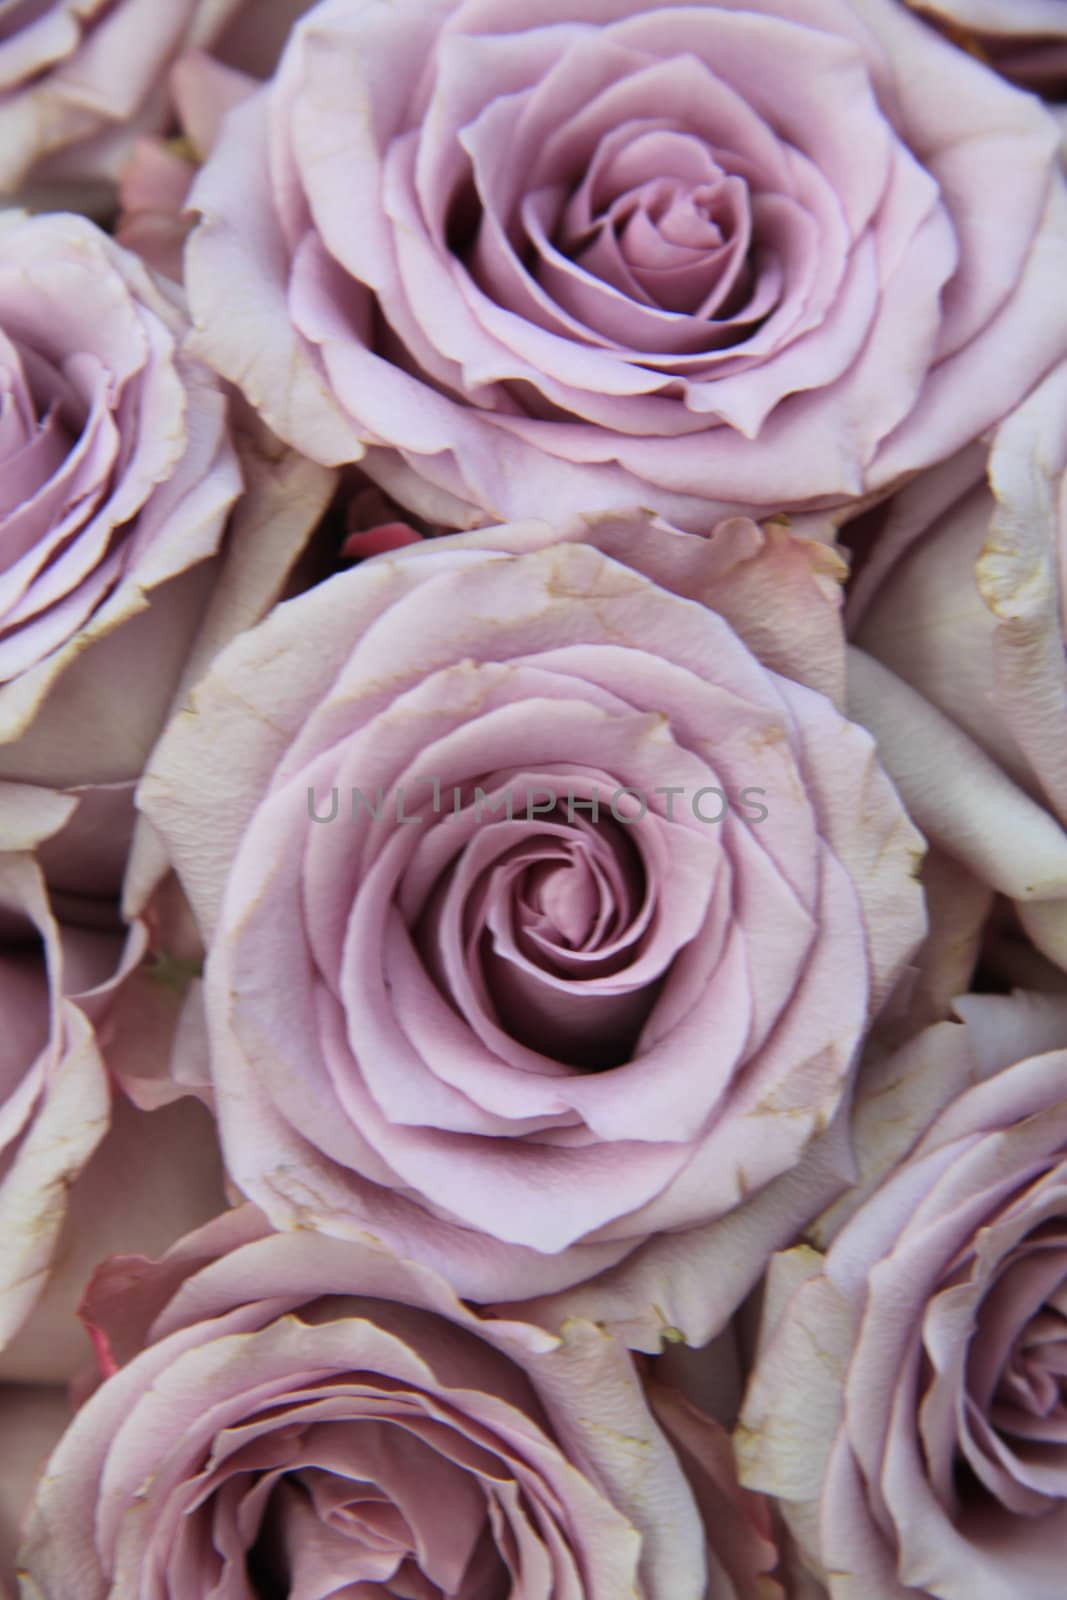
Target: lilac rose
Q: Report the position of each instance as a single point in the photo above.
(291, 1414)
(118, 476)
(907, 1406)
(624, 253)
(547, 894)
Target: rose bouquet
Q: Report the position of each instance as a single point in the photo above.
(533, 800)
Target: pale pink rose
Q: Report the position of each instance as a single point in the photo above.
(617, 253)
(31, 1422)
(527, 1049)
(79, 79)
(907, 1405)
(122, 490)
(310, 1415)
(961, 598)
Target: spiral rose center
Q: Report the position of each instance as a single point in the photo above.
(41, 416)
(1015, 1400)
(661, 221)
(1034, 1383)
(555, 914)
(669, 243)
(340, 1502)
(649, 240)
(559, 904)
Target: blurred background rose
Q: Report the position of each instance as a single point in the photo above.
(81, 80)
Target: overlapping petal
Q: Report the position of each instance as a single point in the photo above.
(961, 599)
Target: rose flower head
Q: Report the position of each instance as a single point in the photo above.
(289, 1414)
(617, 253)
(547, 894)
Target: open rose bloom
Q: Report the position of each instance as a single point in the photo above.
(322, 1412)
(129, 493)
(616, 253)
(546, 895)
